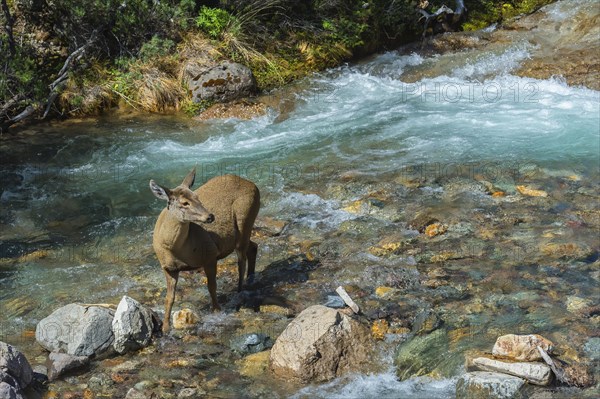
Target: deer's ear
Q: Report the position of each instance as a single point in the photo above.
(159, 191)
(189, 179)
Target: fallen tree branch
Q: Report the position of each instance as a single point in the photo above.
(26, 113)
(11, 103)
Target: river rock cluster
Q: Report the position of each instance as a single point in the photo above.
(74, 334)
(516, 360)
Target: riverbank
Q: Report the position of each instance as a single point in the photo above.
(142, 57)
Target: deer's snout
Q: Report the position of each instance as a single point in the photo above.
(210, 218)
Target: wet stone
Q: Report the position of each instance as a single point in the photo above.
(592, 349)
(426, 322)
(255, 364)
(190, 393)
(420, 355)
(61, 363)
(521, 347)
(335, 302)
(535, 373)
(251, 343)
(135, 394)
(100, 381)
(488, 385)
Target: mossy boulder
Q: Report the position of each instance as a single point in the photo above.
(223, 82)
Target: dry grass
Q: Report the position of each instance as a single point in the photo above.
(159, 91)
(87, 97)
(318, 56)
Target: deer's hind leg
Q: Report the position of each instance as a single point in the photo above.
(251, 254)
(211, 277)
(245, 211)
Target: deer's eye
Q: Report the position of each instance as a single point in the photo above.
(185, 203)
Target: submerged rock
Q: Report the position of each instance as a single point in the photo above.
(335, 302)
(488, 385)
(77, 330)
(421, 355)
(185, 319)
(132, 325)
(15, 371)
(251, 343)
(255, 364)
(521, 347)
(535, 373)
(530, 192)
(319, 344)
(435, 229)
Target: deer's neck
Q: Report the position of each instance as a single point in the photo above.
(174, 233)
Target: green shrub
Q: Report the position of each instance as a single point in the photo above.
(213, 21)
(156, 47)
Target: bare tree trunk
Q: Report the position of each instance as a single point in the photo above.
(8, 26)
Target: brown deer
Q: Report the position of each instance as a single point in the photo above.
(197, 228)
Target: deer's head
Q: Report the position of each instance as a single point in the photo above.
(182, 202)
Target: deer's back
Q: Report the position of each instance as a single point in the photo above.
(231, 199)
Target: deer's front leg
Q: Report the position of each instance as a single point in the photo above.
(171, 277)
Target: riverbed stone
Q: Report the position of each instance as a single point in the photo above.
(135, 394)
(8, 391)
(15, 370)
(521, 347)
(185, 319)
(77, 330)
(488, 385)
(60, 363)
(223, 82)
(531, 192)
(535, 373)
(592, 349)
(255, 364)
(319, 344)
(421, 355)
(251, 343)
(132, 325)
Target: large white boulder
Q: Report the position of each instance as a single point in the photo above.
(320, 344)
(77, 330)
(132, 325)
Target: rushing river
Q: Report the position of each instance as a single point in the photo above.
(77, 215)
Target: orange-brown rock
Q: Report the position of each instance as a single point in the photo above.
(521, 347)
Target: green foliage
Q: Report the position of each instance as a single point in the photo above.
(346, 31)
(156, 47)
(192, 108)
(487, 12)
(213, 21)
